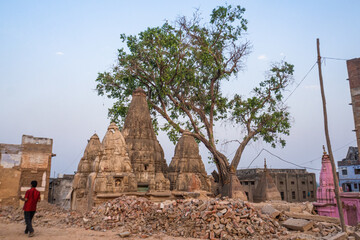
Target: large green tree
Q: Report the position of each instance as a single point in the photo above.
(182, 67)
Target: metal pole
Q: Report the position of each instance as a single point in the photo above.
(336, 181)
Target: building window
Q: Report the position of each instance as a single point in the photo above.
(282, 195)
(311, 182)
(292, 182)
(355, 185)
(344, 172)
(293, 195)
(303, 182)
(281, 183)
(304, 194)
(246, 183)
(357, 171)
(252, 183)
(312, 194)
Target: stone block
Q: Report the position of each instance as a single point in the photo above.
(298, 224)
(339, 236)
(270, 210)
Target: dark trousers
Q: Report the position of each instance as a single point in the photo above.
(28, 215)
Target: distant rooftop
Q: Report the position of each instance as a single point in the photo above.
(352, 157)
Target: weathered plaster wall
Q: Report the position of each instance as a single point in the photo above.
(36, 164)
(10, 158)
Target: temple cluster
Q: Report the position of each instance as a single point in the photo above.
(132, 162)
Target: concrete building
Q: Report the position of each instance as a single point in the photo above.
(60, 190)
(294, 185)
(20, 164)
(349, 171)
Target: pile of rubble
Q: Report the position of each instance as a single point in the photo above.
(206, 219)
(215, 218)
(46, 215)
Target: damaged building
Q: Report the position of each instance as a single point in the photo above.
(21, 164)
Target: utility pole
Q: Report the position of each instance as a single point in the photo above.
(336, 181)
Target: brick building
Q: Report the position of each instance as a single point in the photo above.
(353, 66)
(20, 164)
(294, 185)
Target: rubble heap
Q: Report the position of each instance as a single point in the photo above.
(227, 218)
(210, 219)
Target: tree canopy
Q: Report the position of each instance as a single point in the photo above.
(182, 67)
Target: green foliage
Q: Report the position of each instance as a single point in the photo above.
(264, 114)
(181, 68)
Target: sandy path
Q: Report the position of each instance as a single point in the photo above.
(15, 231)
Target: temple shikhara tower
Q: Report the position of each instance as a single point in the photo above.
(145, 152)
(132, 162)
(187, 171)
(326, 202)
(266, 188)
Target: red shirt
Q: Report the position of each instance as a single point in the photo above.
(33, 197)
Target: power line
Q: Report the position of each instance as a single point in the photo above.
(255, 158)
(301, 81)
(280, 159)
(333, 151)
(290, 162)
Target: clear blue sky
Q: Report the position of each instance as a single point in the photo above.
(51, 52)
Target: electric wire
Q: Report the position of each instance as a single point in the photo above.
(333, 151)
(303, 167)
(301, 81)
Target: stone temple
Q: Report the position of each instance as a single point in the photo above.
(132, 162)
(187, 171)
(145, 152)
(266, 189)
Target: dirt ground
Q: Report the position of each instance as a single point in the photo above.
(15, 231)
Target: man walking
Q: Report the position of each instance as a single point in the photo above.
(32, 197)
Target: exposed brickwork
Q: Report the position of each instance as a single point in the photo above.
(353, 67)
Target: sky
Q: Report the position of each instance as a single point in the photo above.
(52, 51)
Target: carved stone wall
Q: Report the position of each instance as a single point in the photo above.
(115, 173)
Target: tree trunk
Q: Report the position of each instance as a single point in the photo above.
(229, 183)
